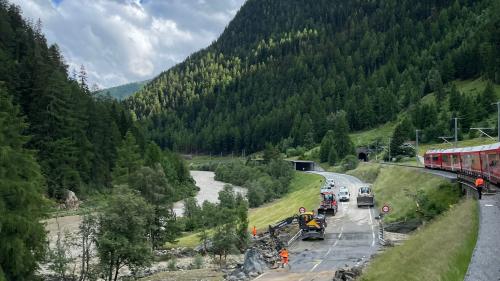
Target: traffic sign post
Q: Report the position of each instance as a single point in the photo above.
(386, 209)
(302, 210)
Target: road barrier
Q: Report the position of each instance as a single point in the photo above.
(290, 242)
(381, 239)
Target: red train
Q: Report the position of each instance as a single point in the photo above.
(474, 161)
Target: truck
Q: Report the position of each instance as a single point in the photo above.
(328, 203)
(365, 197)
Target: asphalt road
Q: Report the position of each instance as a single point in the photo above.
(351, 239)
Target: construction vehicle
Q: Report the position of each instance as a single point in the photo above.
(365, 197)
(328, 203)
(310, 225)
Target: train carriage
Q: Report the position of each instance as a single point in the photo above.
(474, 161)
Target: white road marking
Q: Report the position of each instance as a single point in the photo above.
(316, 265)
(488, 205)
(371, 225)
(260, 276)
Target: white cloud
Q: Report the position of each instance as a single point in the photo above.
(121, 41)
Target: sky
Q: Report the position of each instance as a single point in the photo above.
(123, 41)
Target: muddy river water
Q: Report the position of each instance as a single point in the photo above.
(209, 189)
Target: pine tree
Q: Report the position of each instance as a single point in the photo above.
(22, 206)
(332, 156)
(129, 160)
(488, 97)
(326, 145)
(399, 136)
(341, 139)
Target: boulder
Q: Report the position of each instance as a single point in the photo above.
(71, 202)
(254, 261)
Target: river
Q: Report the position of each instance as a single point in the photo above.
(209, 189)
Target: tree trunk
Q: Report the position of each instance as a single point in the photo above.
(82, 271)
(111, 262)
(117, 267)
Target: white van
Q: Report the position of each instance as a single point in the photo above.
(344, 194)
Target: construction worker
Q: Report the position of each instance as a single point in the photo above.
(254, 231)
(284, 257)
(479, 186)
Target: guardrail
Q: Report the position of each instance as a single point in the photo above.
(290, 242)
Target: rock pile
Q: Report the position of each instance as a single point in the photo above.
(347, 274)
(262, 255)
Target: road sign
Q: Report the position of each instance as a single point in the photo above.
(386, 209)
(302, 210)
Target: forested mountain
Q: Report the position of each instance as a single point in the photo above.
(76, 134)
(123, 91)
(56, 135)
(281, 68)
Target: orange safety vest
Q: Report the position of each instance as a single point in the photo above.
(254, 231)
(284, 253)
(479, 182)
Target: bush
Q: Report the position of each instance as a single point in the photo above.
(172, 264)
(437, 200)
(350, 162)
(198, 261)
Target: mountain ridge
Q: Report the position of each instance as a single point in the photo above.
(278, 70)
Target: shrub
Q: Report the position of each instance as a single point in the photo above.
(172, 264)
(198, 261)
(350, 162)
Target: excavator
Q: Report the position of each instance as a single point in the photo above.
(311, 225)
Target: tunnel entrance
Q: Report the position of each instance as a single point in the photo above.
(302, 165)
(363, 157)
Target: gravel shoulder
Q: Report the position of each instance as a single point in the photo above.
(485, 261)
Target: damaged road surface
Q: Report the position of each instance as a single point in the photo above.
(351, 239)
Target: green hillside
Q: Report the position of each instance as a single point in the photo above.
(281, 68)
(123, 91)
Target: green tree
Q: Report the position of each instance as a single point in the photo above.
(332, 156)
(22, 206)
(488, 97)
(326, 145)
(129, 160)
(155, 189)
(153, 155)
(399, 136)
(341, 139)
(270, 153)
(122, 235)
(152, 185)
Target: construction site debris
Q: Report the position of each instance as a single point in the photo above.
(346, 274)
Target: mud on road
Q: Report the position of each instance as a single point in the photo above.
(351, 239)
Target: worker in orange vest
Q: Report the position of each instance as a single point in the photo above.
(284, 257)
(254, 231)
(479, 186)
